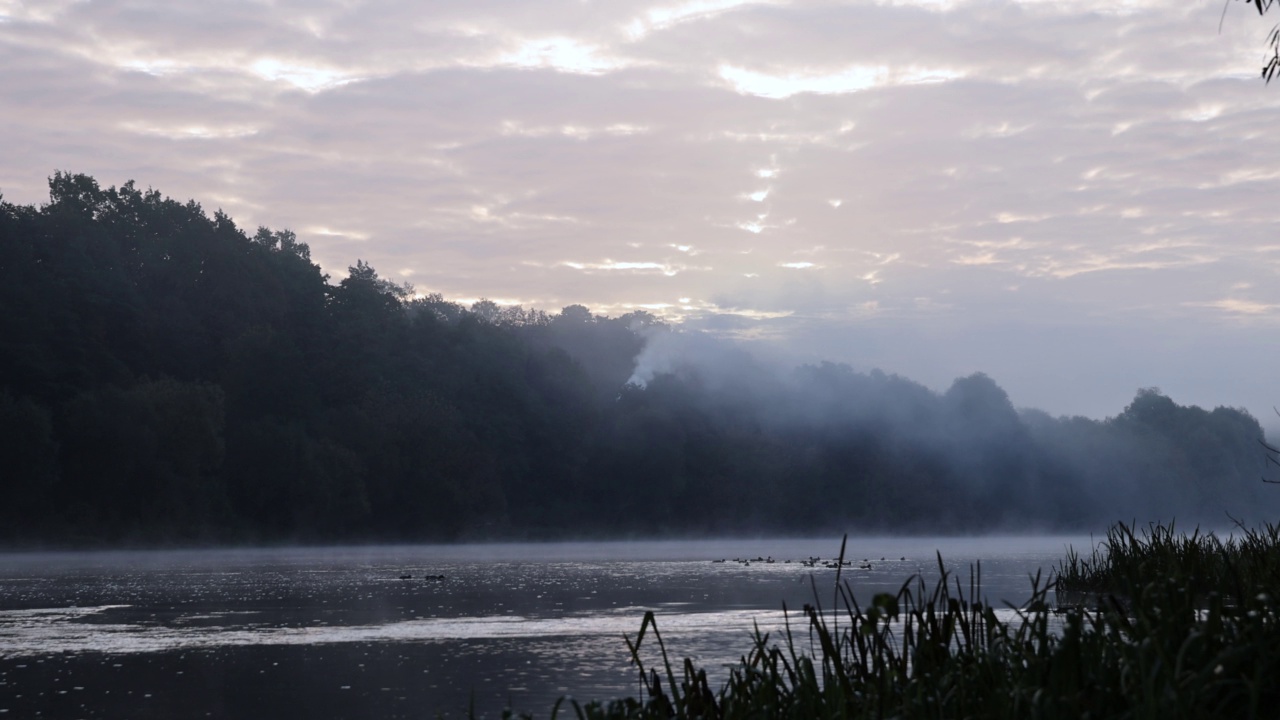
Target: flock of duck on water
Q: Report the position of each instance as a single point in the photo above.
(812, 562)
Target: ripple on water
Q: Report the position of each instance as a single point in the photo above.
(191, 629)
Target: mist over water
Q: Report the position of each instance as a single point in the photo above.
(337, 631)
(886, 453)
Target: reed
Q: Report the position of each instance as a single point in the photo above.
(1128, 560)
(1162, 641)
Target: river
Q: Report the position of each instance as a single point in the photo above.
(423, 631)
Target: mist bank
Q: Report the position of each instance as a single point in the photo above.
(166, 376)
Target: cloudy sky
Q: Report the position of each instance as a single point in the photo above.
(1079, 198)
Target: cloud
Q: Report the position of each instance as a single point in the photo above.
(1112, 162)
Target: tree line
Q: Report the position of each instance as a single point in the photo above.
(166, 376)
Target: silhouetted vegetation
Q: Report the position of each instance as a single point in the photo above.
(1206, 565)
(166, 376)
(1272, 65)
(1160, 651)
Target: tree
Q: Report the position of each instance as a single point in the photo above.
(28, 455)
(143, 459)
(486, 309)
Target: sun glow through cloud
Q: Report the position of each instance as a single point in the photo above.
(309, 78)
(563, 54)
(189, 132)
(1237, 306)
(613, 265)
(853, 79)
(664, 17)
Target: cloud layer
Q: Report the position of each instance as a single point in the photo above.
(1077, 198)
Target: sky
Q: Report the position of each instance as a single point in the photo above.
(1079, 198)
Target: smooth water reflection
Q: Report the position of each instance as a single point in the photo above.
(341, 633)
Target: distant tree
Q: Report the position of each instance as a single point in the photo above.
(435, 305)
(285, 481)
(990, 446)
(28, 455)
(574, 314)
(486, 309)
(143, 460)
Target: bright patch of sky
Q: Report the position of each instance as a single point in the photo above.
(1245, 307)
(663, 268)
(514, 127)
(308, 78)
(563, 54)
(665, 16)
(849, 80)
(353, 234)
(189, 132)
(153, 66)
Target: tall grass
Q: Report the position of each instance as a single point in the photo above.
(1163, 640)
(1128, 560)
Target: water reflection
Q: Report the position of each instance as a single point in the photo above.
(331, 633)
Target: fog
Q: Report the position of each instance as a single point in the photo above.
(889, 453)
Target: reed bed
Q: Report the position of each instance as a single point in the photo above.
(1182, 627)
(1129, 559)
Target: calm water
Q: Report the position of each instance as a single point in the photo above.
(338, 633)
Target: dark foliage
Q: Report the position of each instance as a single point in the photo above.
(165, 376)
(1162, 639)
(1272, 64)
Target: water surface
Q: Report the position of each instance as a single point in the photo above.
(343, 633)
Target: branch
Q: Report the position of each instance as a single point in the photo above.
(1272, 66)
(1271, 454)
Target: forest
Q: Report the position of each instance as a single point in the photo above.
(168, 377)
